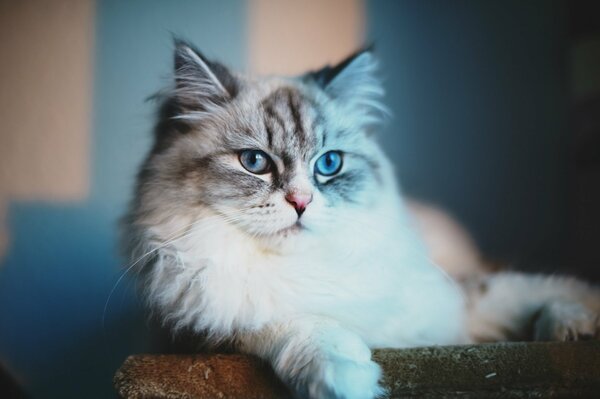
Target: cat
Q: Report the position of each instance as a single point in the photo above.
(266, 216)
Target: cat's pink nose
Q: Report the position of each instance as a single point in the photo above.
(299, 201)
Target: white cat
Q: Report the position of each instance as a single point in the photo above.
(267, 216)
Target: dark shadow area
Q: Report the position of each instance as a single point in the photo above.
(483, 126)
(584, 56)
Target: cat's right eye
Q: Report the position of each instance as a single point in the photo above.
(255, 161)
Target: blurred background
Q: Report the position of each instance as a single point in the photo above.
(496, 119)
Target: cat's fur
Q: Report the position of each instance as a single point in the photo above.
(226, 255)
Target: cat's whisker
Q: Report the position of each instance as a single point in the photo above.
(127, 270)
(187, 232)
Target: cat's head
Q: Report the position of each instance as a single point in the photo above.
(278, 158)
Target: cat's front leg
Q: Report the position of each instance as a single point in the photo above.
(317, 358)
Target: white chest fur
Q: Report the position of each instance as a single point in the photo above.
(385, 290)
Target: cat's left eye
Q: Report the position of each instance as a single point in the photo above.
(329, 163)
(255, 161)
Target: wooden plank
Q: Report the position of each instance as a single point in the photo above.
(518, 370)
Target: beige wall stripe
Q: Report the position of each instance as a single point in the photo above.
(289, 37)
(45, 101)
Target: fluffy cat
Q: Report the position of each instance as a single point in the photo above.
(267, 216)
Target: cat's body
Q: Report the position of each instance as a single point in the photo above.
(268, 217)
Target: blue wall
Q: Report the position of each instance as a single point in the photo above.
(63, 261)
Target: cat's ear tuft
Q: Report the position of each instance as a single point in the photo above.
(200, 83)
(353, 82)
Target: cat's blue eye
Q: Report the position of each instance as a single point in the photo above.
(255, 161)
(329, 163)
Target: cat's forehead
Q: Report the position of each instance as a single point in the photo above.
(290, 120)
(285, 117)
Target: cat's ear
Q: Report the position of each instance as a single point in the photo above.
(201, 84)
(353, 82)
(354, 75)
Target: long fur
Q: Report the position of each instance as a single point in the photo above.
(223, 253)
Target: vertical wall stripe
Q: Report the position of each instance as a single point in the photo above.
(290, 37)
(45, 101)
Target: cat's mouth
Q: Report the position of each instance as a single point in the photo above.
(294, 229)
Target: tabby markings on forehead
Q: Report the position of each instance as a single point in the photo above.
(285, 112)
(270, 121)
(294, 104)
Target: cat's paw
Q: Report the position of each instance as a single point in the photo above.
(566, 321)
(343, 369)
(345, 379)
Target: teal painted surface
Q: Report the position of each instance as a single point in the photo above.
(63, 260)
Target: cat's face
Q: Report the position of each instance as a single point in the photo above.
(280, 159)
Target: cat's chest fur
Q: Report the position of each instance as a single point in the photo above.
(219, 280)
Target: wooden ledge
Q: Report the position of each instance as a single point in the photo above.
(519, 370)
